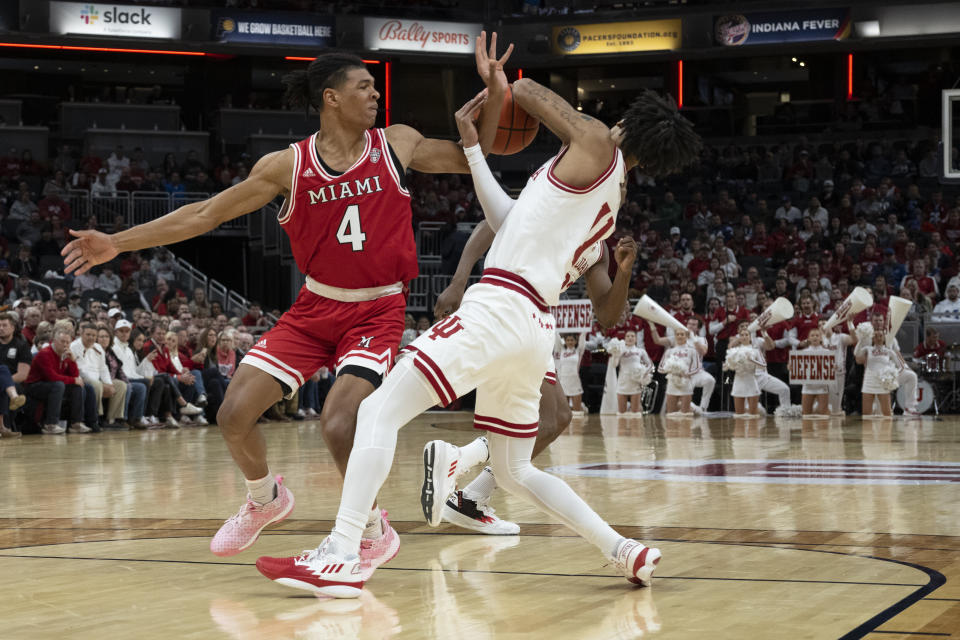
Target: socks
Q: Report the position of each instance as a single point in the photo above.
(473, 454)
(482, 486)
(374, 530)
(263, 490)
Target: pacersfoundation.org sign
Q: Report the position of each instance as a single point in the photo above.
(617, 37)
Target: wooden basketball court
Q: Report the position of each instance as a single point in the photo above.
(782, 529)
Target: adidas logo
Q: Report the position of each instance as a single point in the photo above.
(308, 173)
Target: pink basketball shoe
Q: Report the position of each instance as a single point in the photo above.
(243, 529)
(374, 553)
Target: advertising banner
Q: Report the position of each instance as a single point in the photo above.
(302, 29)
(99, 19)
(772, 27)
(812, 366)
(573, 316)
(420, 35)
(617, 37)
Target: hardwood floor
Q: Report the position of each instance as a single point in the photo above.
(777, 529)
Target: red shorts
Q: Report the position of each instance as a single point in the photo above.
(320, 332)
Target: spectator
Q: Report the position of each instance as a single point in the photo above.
(30, 230)
(25, 264)
(163, 265)
(188, 387)
(158, 400)
(108, 280)
(31, 319)
(136, 395)
(173, 186)
(220, 365)
(55, 378)
(15, 360)
(22, 209)
(92, 364)
(786, 211)
(948, 309)
(85, 282)
(254, 317)
(54, 205)
(102, 187)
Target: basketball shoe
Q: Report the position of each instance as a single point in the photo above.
(439, 478)
(376, 552)
(476, 515)
(243, 529)
(318, 570)
(636, 561)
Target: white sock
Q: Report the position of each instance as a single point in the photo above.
(616, 547)
(473, 454)
(482, 487)
(263, 490)
(374, 528)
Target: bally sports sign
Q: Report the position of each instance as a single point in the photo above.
(420, 35)
(90, 18)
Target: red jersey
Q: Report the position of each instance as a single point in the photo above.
(730, 329)
(351, 230)
(776, 332)
(804, 323)
(683, 316)
(922, 350)
(47, 366)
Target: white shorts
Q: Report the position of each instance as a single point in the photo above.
(500, 342)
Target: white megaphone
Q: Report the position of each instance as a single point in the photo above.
(648, 309)
(858, 300)
(898, 311)
(780, 310)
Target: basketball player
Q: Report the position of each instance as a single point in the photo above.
(501, 339)
(470, 507)
(347, 214)
(701, 378)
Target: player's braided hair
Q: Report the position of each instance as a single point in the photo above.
(662, 140)
(329, 70)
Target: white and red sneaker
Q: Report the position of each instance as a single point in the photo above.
(439, 478)
(316, 570)
(243, 529)
(637, 562)
(374, 553)
(477, 515)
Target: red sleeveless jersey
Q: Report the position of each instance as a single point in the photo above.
(351, 230)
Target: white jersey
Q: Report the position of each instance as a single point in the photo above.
(761, 354)
(840, 342)
(634, 361)
(878, 359)
(691, 340)
(554, 231)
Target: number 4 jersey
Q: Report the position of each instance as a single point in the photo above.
(351, 230)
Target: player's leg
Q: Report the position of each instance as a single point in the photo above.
(776, 386)
(510, 458)
(338, 418)
(336, 567)
(470, 507)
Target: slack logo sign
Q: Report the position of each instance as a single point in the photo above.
(116, 15)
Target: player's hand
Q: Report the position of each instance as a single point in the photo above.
(626, 253)
(448, 301)
(489, 66)
(466, 117)
(90, 248)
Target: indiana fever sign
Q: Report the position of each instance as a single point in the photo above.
(772, 27)
(420, 35)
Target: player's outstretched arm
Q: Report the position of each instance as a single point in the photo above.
(430, 155)
(449, 299)
(608, 297)
(269, 177)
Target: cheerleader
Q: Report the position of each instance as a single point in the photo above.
(746, 390)
(814, 393)
(568, 370)
(880, 372)
(635, 367)
(680, 363)
(702, 378)
(840, 342)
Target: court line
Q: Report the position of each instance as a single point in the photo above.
(944, 599)
(483, 571)
(914, 633)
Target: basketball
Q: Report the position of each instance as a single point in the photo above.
(516, 128)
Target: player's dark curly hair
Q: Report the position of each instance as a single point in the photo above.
(304, 89)
(662, 140)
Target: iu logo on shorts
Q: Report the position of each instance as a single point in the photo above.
(365, 342)
(446, 328)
